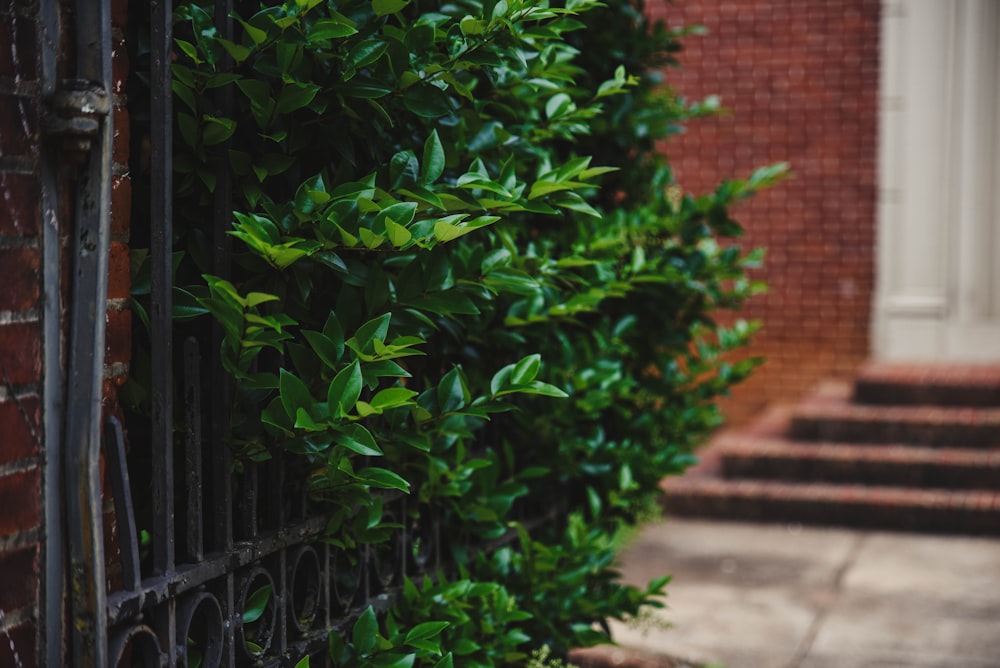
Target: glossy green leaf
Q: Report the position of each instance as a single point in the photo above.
(384, 7)
(392, 397)
(344, 390)
(383, 478)
(432, 166)
(447, 661)
(452, 393)
(256, 603)
(365, 630)
(358, 439)
(526, 370)
(331, 28)
(294, 393)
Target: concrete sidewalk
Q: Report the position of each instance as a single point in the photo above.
(773, 596)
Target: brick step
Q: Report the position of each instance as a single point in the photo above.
(887, 465)
(895, 508)
(829, 416)
(939, 385)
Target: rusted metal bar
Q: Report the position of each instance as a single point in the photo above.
(86, 350)
(124, 605)
(51, 626)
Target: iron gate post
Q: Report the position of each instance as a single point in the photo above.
(87, 115)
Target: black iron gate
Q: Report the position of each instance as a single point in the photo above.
(230, 568)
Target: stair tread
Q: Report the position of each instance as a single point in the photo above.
(974, 499)
(938, 384)
(734, 446)
(830, 415)
(944, 375)
(832, 400)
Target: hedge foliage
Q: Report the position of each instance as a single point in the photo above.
(465, 274)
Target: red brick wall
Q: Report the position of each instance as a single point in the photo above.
(21, 352)
(799, 79)
(20, 337)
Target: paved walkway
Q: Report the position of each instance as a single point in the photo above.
(772, 596)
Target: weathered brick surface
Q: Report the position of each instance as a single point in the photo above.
(18, 37)
(19, 119)
(20, 285)
(20, 425)
(939, 385)
(19, 648)
(19, 214)
(20, 336)
(799, 79)
(20, 498)
(119, 277)
(20, 352)
(16, 590)
(118, 338)
(122, 136)
(896, 465)
(121, 206)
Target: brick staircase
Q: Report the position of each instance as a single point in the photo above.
(911, 448)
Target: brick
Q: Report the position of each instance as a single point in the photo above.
(19, 32)
(119, 13)
(20, 353)
(118, 337)
(19, 429)
(18, 125)
(19, 497)
(19, 578)
(119, 64)
(121, 206)
(18, 650)
(122, 135)
(19, 208)
(801, 81)
(19, 289)
(119, 271)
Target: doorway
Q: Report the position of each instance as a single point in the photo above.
(938, 294)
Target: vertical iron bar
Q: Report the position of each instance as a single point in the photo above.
(192, 450)
(121, 490)
(229, 628)
(249, 496)
(86, 354)
(275, 494)
(53, 583)
(161, 306)
(222, 515)
(284, 601)
(161, 303)
(222, 480)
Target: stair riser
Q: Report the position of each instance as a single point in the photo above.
(853, 430)
(901, 393)
(839, 512)
(857, 471)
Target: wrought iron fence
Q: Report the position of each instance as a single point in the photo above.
(214, 562)
(222, 563)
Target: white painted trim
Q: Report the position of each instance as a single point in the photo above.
(938, 281)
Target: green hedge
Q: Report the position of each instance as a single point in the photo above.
(464, 274)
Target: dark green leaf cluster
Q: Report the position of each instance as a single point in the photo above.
(464, 274)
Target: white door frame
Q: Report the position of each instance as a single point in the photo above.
(938, 288)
